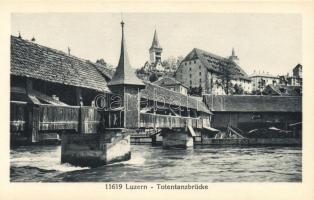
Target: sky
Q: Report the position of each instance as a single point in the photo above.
(263, 42)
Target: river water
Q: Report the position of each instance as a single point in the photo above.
(155, 164)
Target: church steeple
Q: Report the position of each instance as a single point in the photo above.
(233, 56)
(155, 50)
(124, 74)
(155, 43)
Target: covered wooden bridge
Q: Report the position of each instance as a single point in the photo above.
(54, 92)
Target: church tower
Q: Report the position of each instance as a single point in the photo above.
(233, 57)
(155, 50)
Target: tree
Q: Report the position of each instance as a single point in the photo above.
(256, 92)
(179, 60)
(172, 63)
(226, 72)
(195, 91)
(238, 89)
(153, 77)
(101, 62)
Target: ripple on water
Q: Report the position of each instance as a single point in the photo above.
(149, 164)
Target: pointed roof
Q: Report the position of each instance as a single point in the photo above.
(124, 74)
(214, 62)
(155, 43)
(232, 54)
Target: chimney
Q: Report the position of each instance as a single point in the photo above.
(33, 39)
(20, 35)
(69, 51)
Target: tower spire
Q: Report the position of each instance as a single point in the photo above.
(155, 43)
(233, 56)
(124, 74)
(155, 50)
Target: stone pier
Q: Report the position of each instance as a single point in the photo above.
(177, 138)
(95, 150)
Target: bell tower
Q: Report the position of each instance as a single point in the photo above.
(233, 57)
(155, 50)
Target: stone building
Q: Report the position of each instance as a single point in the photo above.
(154, 64)
(297, 71)
(205, 70)
(295, 79)
(261, 79)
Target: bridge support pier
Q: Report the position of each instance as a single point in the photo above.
(177, 138)
(93, 150)
(157, 139)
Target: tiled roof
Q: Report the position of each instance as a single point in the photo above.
(168, 81)
(32, 60)
(155, 92)
(107, 72)
(215, 63)
(252, 103)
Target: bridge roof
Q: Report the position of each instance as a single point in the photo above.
(32, 60)
(161, 94)
(124, 74)
(253, 103)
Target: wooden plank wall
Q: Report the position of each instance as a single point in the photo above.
(58, 117)
(17, 116)
(149, 120)
(31, 119)
(90, 119)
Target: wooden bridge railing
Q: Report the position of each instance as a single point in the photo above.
(149, 120)
(58, 117)
(31, 119)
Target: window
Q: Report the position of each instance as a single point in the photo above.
(190, 82)
(190, 69)
(185, 64)
(189, 62)
(190, 75)
(200, 73)
(199, 67)
(200, 80)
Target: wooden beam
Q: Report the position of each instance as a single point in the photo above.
(32, 123)
(79, 97)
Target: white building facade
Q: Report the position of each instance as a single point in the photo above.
(203, 69)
